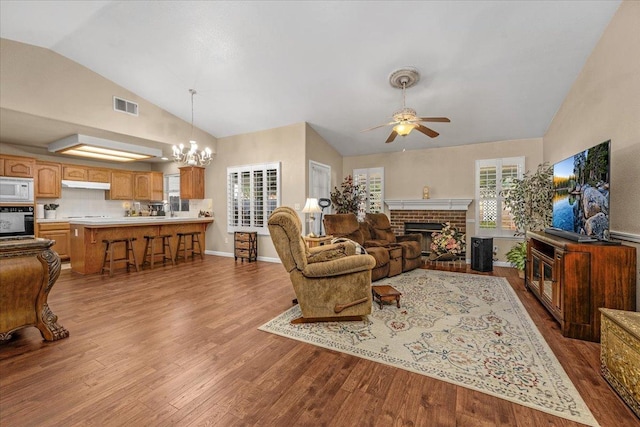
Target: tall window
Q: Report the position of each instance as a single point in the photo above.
(373, 181)
(253, 192)
(493, 176)
(172, 194)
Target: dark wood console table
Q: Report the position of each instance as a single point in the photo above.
(28, 270)
(573, 280)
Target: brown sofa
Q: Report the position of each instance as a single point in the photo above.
(346, 225)
(330, 282)
(411, 243)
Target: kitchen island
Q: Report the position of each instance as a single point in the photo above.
(87, 234)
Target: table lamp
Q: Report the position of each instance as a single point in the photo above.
(311, 207)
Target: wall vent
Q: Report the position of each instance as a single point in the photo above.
(124, 106)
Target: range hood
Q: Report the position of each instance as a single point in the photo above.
(86, 184)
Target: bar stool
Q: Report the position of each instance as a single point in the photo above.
(182, 245)
(150, 250)
(129, 253)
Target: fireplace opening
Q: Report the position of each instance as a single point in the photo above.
(426, 229)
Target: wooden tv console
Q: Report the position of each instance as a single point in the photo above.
(573, 280)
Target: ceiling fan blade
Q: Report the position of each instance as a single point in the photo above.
(434, 119)
(379, 126)
(392, 137)
(429, 132)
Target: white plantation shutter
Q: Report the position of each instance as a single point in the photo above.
(373, 181)
(493, 176)
(253, 192)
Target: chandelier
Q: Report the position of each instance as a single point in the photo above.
(192, 157)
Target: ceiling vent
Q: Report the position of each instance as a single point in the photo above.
(124, 106)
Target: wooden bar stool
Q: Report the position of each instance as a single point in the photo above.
(129, 254)
(182, 245)
(150, 252)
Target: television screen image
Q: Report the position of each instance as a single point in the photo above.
(581, 192)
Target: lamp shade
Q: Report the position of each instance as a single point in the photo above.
(403, 128)
(311, 206)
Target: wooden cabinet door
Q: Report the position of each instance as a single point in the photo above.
(192, 182)
(121, 186)
(99, 175)
(19, 168)
(75, 173)
(60, 232)
(157, 186)
(47, 180)
(142, 186)
(1, 167)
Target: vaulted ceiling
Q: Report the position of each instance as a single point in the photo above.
(499, 70)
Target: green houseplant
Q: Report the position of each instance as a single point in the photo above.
(529, 200)
(349, 198)
(50, 210)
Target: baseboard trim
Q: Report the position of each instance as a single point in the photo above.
(628, 237)
(230, 255)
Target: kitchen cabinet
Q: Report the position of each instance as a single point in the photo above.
(142, 185)
(75, 173)
(47, 180)
(99, 175)
(1, 166)
(121, 186)
(191, 182)
(148, 186)
(85, 173)
(19, 167)
(60, 232)
(157, 186)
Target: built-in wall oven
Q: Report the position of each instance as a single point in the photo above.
(16, 221)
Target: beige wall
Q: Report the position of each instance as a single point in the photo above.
(448, 172)
(285, 145)
(604, 103)
(81, 97)
(318, 150)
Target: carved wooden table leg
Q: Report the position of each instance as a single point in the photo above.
(28, 271)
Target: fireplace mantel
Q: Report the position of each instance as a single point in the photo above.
(429, 204)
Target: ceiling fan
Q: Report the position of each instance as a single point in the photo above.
(406, 119)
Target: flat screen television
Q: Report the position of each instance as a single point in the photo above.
(581, 192)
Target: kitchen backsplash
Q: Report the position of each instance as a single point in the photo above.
(83, 202)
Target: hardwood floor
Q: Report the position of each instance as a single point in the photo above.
(180, 346)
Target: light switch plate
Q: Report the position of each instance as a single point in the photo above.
(297, 206)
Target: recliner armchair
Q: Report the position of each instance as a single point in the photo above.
(411, 243)
(347, 225)
(330, 282)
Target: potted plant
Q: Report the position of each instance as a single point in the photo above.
(517, 256)
(50, 210)
(529, 200)
(447, 244)
(350, 198)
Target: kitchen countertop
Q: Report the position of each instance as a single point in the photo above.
(135, 220)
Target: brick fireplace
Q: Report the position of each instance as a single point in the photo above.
(426, 215)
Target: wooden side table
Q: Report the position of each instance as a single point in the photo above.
(312, 242)
(245, 245)
(386, 293)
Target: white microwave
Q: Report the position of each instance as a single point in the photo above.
(16, 190)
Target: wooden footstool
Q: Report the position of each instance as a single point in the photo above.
(385, 293)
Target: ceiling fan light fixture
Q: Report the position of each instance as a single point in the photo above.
(404, 128)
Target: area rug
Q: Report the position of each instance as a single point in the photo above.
(469, 330)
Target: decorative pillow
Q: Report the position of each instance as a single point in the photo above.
(360, 250)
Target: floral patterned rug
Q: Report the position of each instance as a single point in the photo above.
(466, 329)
